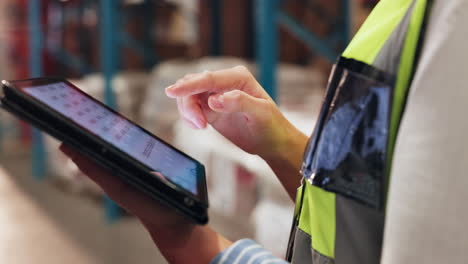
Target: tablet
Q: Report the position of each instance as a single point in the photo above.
(130, 152)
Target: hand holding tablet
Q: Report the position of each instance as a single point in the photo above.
(139, 158)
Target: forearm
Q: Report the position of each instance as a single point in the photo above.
(188, 244)
(286, 161)
(179, 239)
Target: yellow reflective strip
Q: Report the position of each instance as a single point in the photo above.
(318, 219)
(376, 30)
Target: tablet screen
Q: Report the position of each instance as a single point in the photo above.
(121, 133)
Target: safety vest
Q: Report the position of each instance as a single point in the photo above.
(340, 207)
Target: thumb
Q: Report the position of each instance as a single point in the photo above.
(235, 101)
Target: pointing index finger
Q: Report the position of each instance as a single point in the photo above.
(209, 81)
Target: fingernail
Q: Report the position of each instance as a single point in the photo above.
(200, 123)
(170, 91)
(219, 101)
(169, 88)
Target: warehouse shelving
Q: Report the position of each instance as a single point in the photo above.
(269, 16)
(112, 39)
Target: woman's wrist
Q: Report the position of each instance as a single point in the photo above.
(289, 145)
(286, 159)
(180, 245)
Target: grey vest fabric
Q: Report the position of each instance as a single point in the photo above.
(427, 208)
(359, 232)
(303, 253)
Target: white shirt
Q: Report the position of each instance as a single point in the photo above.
(427, 208)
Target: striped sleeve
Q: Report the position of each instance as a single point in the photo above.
(246, 251)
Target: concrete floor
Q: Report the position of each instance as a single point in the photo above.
(43, 223)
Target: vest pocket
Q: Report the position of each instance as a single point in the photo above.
(347, 153)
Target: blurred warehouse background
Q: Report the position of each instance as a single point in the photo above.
(125, 53)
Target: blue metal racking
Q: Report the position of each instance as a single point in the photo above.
(35, 70)
(268, 17)
(112, 39)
